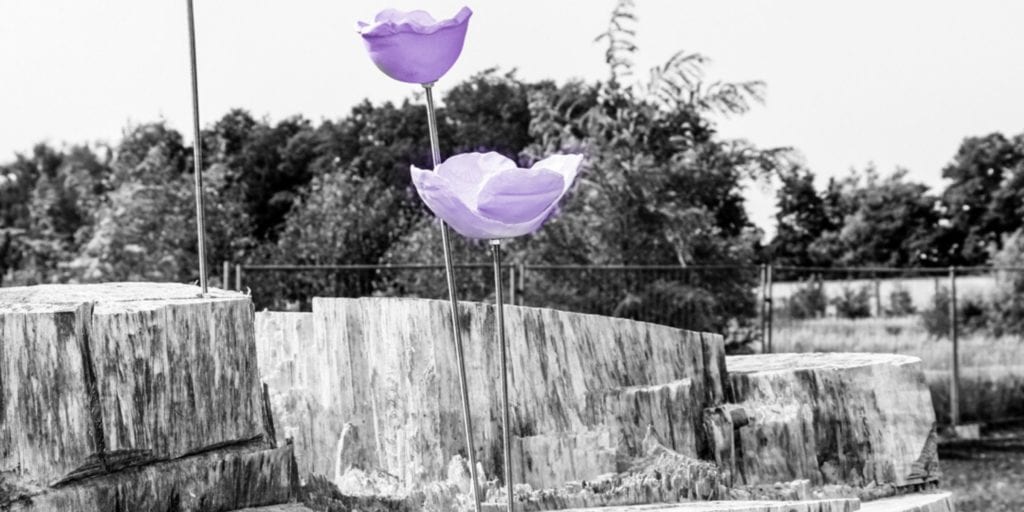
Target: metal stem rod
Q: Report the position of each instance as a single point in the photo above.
(502, 345)
(197, 149)
(453, 299)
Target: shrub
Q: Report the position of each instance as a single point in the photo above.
(853, 304)
(807, 302)
(972, 314)
(1006, 312)
(900, 302)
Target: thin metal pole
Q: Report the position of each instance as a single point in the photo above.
(879, 309)
(435, 148)
(225, 276)
(502, 345)
(763, 275)
(768, 303)
(954, 383)
(512, 284)
(197, 150)
(238, 277)
(522, 284)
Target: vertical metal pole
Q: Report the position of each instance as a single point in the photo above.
(954, 382)
(768, 303)
(879, 310)
(763, 276)
(500, 330)
(522, 284)
(453, 299)
(225, 276)
(197, 150)
(512, 284)
(238, 277)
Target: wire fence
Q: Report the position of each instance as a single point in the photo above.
(931, 313)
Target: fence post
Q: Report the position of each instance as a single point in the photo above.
(238, 277)
(768, 303)
(763, 278)
(954, 381)
(225, 278)
(512, 284)
(879, 311)
(522, 284)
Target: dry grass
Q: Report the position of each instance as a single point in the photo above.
(903, 335)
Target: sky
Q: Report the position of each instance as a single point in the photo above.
(893, 83)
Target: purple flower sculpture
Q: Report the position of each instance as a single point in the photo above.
(486, 196)
(411, 46)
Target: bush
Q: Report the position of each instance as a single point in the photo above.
(972, 314)
(935, 318)
(808, 301)
(900, 302)
(1006, 312)
(853, 304)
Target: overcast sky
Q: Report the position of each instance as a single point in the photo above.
(897, 83)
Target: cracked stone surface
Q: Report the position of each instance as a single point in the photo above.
(857, 419)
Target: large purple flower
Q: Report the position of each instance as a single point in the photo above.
(485, 195)
(411, 46)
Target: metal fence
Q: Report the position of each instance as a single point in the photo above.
(924, 312)
(665, 294)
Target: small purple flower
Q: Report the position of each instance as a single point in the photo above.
(485, 195)
(411, 46)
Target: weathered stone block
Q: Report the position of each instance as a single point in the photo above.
(834, 419)
(387, 366)
(99, 379)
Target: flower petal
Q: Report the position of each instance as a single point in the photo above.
(417, 17)
(519, 195)
(392, 21)
(565, 165)
(435, 190)
(467, 173)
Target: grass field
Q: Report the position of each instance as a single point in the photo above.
(987, 478)
(989, 482)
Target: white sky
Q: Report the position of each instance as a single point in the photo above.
(897, 83)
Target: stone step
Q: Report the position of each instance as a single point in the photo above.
(925, 502)
(831, 505)
(290, 507)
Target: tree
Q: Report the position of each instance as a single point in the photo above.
(863, 219)
(801, 220)
(892, 223)
(145, 229)
(489, 112)
(341, 218)
(264, 166)
(985, 200)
